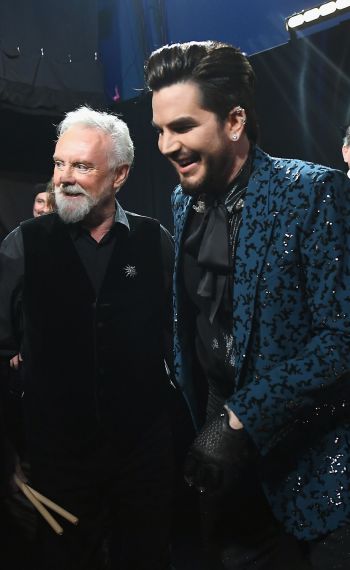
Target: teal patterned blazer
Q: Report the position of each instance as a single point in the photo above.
(291, 331)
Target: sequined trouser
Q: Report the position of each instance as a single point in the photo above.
(240, 533)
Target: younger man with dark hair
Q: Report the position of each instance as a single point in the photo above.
(262, 319)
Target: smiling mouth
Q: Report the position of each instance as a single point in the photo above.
(186, 164)
(72, 194)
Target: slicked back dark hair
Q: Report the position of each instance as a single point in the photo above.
(221, 71)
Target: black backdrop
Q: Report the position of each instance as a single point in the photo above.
(303, 102)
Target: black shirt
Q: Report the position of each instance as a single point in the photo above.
(213, 338)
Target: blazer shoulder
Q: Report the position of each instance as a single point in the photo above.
(294, 167)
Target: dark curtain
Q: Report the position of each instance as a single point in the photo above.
(303, 96)
(49, 60)
(129, 31)
(17, 196)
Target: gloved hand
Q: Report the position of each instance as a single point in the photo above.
(219, 456)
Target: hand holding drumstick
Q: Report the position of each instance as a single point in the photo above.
(38, 501)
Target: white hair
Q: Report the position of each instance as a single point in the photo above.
(122, 145)
(346, 140)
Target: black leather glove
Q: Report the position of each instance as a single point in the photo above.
(219, 456)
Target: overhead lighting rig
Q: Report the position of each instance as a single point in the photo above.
(311, 16)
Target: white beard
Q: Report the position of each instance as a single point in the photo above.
(73, 210)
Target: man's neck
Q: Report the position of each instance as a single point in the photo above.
(243, 149)
(99, 224)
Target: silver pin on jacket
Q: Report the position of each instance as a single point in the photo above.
(130, 271)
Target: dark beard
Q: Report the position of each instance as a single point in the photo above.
(215, 182)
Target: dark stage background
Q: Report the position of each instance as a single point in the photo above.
(303, 104)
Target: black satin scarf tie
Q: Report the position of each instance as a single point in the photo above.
(210, 245)
(210, 242)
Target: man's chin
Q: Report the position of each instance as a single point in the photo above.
(71, 215)
(190, 188)
(73, 211)
(195, 189)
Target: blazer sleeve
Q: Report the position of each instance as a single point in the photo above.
(295, 388)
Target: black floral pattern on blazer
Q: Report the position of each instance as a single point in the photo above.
(291, 315)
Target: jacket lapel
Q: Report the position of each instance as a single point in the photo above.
(254, 237)
(181, 205)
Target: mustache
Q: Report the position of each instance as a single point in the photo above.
(70, 189)
(181, 157)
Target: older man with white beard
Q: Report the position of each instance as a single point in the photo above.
(93, 283)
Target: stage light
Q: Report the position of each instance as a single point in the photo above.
(310, 16)
(327, 9)
(295, 21)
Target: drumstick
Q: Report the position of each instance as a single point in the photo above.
(54, 507)
(39, 507)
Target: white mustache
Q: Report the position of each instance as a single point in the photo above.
(72, 190)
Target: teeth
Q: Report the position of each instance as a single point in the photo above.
(185, 161)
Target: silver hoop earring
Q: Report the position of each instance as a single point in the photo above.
(234, 137)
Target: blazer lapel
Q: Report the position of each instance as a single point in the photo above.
(254, 237)
(181, 205)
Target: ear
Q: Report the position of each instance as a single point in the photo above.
(346, 153)
(236, 121)
(120, 175)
